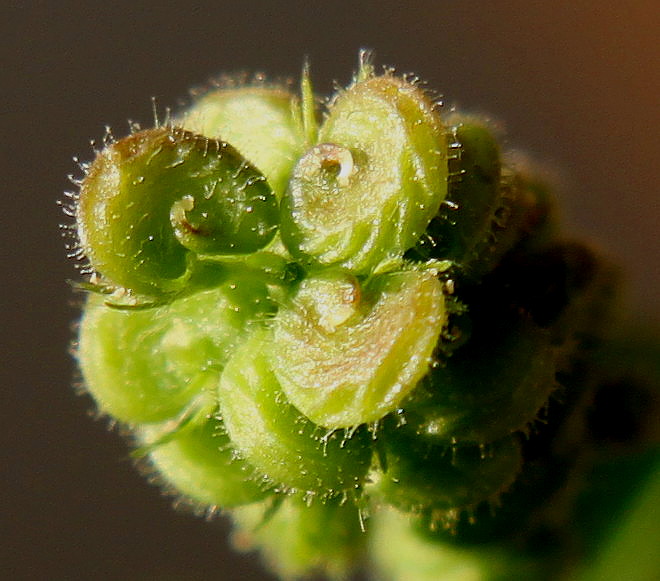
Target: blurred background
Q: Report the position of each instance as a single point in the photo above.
(575, 84)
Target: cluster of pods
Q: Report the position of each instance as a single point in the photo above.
(318, 314)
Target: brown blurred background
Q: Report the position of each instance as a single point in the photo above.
(574, 83)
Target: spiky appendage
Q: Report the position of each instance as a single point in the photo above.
(311, 325)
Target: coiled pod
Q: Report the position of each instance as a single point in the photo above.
(280, 442)
(148, 365)
(442, 482)
(381, 159)
(154, 200)
(299, 540)
(262, 122)
(347, 354)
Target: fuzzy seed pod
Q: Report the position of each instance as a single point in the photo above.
(347, 354)
(382, 160)
(154, 200)
(277, 439)
(148, 365)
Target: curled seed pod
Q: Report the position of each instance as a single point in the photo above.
(197, 461)
(347, 355)
(443, 482)
(277, 439)
(148, 365)
(368, 190)
(152, 198)
(263, 123)
(492, 386)
(300, 540)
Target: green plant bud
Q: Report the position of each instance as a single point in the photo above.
(148, 365)
(368, 190)
(441, 481)
(197, 461)
(494, 385)
(151, 198)
(277, 439)
(466, 218)
(300, 540)
(263, 123)
(345, 354)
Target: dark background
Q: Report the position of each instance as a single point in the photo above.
(575, 83)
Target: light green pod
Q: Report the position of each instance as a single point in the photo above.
(153, 200)
(401, 551)
(197, 461)
(300, 540)
(368, 190)
(148, 365)
(261, 122)
(281, 443)
(347, 354)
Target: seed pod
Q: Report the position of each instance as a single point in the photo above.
(277, 439)
(368, 190)
(148, 365)
(492, 386)
(440, 481)
(300, 540)
(198, 461)
(151, 199)
(466, 218)
(263, 123)
(347, 355)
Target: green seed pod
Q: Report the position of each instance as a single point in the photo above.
(368, 190)
(300, 540)
(148, 365)
(152, 198)
(197, 461)
(492, 386)
(466, 218)
(440, 481)
(347, 355)
(263, 123)
(277, 439)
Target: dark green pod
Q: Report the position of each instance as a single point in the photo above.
(370, 187)
(281, 443)
(262, 122)
(440, 481)
(492, 386)
(197, 460)
(465, 219)
(401, 549)
(152, 201)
